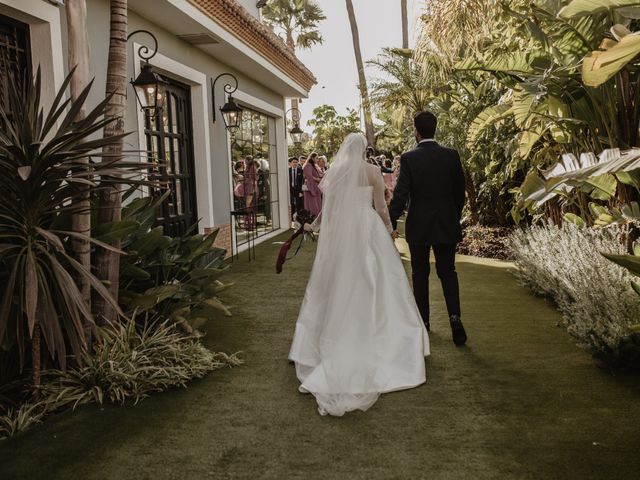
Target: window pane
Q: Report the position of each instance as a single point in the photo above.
(177, 159)
(168, 154)
(179, 200)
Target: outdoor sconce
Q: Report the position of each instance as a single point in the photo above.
(296, 132)
(231, 111)
(148, 86)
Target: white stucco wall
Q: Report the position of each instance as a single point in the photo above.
(179, 60)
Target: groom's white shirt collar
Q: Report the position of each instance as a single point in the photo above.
(425, 140)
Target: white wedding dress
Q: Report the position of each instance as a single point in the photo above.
(359, 332)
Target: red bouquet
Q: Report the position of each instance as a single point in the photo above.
(303, 217)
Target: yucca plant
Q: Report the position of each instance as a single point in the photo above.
(41, 172)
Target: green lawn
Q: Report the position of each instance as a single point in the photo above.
(519, 402)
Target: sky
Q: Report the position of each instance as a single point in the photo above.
(333, 63)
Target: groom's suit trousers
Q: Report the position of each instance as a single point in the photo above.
(446, 270)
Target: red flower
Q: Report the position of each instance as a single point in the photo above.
(302, 218)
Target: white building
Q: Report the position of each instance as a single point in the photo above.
(198, 41)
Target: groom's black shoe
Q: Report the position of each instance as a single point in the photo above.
(457, 330)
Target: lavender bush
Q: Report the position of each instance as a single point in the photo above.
(593, 294)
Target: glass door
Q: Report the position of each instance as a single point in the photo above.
(170, 143)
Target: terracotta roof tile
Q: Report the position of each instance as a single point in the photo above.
(234, 18)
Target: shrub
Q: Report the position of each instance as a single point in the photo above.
(20, 419)
(593, 294)
(168, 278)
(486, 242)
(131, 361)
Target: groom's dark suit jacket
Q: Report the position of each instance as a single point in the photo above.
(431, 183)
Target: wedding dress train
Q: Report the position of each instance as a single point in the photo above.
(359, 332)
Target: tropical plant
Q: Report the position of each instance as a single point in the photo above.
(19, 419)
(296, 21)
(402, 89)
(455, 28)
(132, 360)
(42, 170)
(167, 278)
(330, 129)
(617, 53)
(531, 55)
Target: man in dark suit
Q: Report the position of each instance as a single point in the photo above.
(431, 183)
(296, 179)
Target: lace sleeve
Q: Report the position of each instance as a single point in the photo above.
(379, 202)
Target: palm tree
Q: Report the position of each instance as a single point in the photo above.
(457, 27)
(107, 262)
(362, 79)
(407, 87)
(78, 59)
(296, 21)
(405, 24)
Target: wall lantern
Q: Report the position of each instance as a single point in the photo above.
(231, 111)
(148, 85)
(296, 132)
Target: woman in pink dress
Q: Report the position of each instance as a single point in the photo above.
(311, 189)
(250, 182)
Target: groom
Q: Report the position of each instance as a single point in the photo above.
(431, 181)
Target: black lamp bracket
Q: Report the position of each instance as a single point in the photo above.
(295, 114)
(228, 89)
(145, 52)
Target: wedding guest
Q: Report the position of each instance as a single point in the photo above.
(311, 189)
(385, 165)
(370, 152)
(322, 164)
(238, 183)
(263, 201)
(296, 179)
(250, 182)
(389, 175)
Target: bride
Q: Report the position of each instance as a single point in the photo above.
(359, 332)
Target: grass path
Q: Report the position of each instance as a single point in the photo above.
(519, 402)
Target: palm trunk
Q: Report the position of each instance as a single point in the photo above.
(78, 50)
(36, 362)
(107, 263)
(362, 80)
(405, 24)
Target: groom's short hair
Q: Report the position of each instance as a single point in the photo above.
(426, 124)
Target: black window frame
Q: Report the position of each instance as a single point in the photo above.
(174, 223)
(22, 51)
